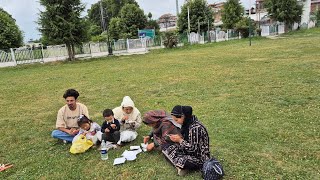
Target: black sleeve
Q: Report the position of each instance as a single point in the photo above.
(117, 124)
(103, 127)
(150, 134)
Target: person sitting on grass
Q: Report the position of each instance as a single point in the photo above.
(162, 126)
(130, 119)
(90, 129)
(110, 127)
(66, 123)
(191, 149)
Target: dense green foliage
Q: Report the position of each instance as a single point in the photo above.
(200, 14)
(243, 26)
(287, 11)
(316, 17)
(232, 13)
(170, 39)
(10, 34)
(60, 22)
(132, 19)
(111, 9)
(115, 28)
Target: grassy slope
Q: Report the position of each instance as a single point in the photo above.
(260, 105)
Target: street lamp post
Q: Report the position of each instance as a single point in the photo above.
(105, 28)
(250, 23)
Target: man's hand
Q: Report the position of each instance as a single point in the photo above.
(73, 131)
(146, 139)
(106, 130)
(113, 126)
(150, 147)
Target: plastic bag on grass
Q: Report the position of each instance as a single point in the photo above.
(80, 145)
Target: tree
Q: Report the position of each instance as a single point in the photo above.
(315, 16)
(242, 26)
(170, 39)
(10, 34)
(152, 24)
(149, 16)
(61, 23)
(111, 9)
(200, 14)
(115, 28)
(232, 13)
(132, 19)
(287, 11)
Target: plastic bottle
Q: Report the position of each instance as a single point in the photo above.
(104, 151)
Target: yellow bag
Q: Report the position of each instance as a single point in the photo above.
(80, 145)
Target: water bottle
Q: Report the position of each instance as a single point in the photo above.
(104, 151)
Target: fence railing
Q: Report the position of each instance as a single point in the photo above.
(5, 57)
(59, 52)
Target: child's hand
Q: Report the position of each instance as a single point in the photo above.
(106, 130)
(146, 139)
(150, 147)
(85, 133)
(93, 133)
(175, 138)
(113, 126)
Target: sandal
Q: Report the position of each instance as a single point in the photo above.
(5, 166)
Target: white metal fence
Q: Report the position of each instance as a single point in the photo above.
(123, 46)
(18, 56)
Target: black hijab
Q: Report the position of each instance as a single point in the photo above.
(185, 111)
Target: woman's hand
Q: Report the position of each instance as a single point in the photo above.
(146, 139)
(150, 147)
(125, 118)
(175, 138)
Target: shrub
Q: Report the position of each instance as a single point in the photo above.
(170, 39)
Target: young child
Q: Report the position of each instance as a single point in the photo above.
(90, 129)
(110, 127)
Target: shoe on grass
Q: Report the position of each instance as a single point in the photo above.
(182, 172)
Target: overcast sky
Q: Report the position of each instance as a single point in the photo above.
(26, 11)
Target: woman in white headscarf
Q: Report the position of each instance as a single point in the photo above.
(130, 119)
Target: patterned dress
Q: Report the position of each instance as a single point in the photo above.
(194, 149)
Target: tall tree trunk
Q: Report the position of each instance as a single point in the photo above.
(70, 54)
(286, 27)
(73, 52)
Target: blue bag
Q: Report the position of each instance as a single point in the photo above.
(212, 169)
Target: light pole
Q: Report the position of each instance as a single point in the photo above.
(104, 28)
(188, 19)
(249, 23)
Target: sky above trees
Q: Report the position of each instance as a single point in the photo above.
(26, 12)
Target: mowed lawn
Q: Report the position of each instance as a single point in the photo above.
(260, 104)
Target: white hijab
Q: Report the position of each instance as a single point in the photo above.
(134, 116)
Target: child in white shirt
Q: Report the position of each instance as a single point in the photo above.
(90, 129)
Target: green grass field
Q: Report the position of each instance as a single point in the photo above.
(260, 105)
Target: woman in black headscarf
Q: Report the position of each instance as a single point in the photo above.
(192, 148)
